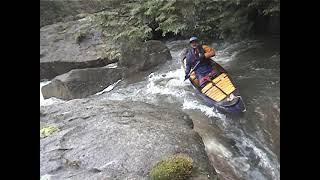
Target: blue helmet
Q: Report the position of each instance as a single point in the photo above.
(193, 38)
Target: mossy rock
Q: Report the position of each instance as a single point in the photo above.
(48, 130)
(81, 16)
(177, 167)
(113, 54)
(80, 36)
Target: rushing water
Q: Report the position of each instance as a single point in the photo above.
(240, 147)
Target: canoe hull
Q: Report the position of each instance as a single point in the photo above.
(232, 103)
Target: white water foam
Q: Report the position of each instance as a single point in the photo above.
(112, 65)
(174, 85)
(208, 111)
(109, 88)
(264, 162)
(213, 145)
(241, 163)
(178, 74)
(229, 53)
(170, 83)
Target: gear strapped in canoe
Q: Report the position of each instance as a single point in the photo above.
(218, 89)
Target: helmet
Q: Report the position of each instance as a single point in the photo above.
(193, 38)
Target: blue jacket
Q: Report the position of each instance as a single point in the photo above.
(204, 66)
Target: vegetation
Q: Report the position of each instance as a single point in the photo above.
(80, 36)
(48, 130)
(222, 19)
(176, 167)
(157, 19)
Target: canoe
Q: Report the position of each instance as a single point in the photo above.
(221, 92)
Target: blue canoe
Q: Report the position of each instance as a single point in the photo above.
(221, 93)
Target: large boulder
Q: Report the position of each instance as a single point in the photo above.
(74, 45)
(84, 44)
(80, 83)
(141, 56)
(102, 139)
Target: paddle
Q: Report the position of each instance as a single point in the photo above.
(192, 69)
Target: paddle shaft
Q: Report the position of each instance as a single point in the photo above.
(192, 69)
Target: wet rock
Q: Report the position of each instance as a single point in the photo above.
(74, 45)
(84, 43)
(81, 83)
(141, 56)
(101, 147)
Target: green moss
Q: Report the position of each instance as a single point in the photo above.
(113, 54)
(80, 36)
(48, 130)
(176, 167)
